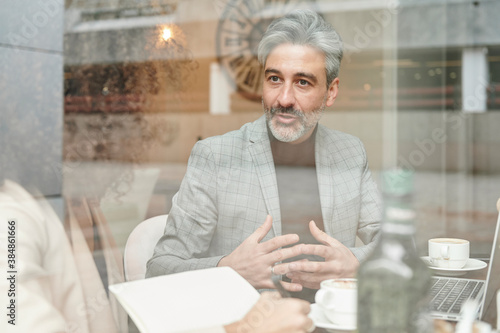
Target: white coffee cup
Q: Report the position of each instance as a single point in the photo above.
(448, 252)
(338, 300)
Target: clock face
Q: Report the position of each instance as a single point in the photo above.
(240, 28)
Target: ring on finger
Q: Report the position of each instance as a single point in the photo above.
(272, 270)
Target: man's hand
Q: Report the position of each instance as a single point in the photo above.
(273, 314)
(254, 260)
(339, 261)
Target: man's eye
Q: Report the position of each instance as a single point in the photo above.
(303, 82)
(274, 79)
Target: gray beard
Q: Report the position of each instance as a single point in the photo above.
(290, 133)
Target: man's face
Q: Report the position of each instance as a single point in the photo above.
(295, 92)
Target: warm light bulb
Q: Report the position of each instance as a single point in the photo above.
(167, 33)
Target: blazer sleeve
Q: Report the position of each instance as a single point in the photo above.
(192, 220)
(370, 214)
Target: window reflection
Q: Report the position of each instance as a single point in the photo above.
(142, 81)
(427, 78)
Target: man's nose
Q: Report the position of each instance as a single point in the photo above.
(286, 97)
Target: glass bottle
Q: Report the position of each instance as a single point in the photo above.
(394, 283)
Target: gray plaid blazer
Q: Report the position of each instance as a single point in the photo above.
(230, 186)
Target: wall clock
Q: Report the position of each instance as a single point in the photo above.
(240, 28)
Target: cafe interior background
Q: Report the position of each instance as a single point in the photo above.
(102, 101)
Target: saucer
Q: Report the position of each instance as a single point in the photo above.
(320, 320)
(471, 265)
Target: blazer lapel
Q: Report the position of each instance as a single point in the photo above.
(325, 173)
(260, 150)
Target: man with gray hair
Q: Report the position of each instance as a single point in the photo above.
(281, 195)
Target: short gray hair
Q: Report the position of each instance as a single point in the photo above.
(304, 27)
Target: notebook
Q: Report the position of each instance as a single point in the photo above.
(448, 293)
(188, 301)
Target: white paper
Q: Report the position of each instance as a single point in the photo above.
(186, 301)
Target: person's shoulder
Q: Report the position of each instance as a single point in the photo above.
(235, 138)
(225, 147)
(342, 146)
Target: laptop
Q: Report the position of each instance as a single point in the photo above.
(449, 294)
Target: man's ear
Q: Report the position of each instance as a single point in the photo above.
(332, 92)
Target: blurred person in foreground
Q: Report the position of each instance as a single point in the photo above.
(50, 294)
(58, 287)
(242, 202)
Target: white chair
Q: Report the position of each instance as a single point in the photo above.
(140, 246)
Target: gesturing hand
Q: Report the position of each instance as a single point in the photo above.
(253, 260)
(339, 261)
